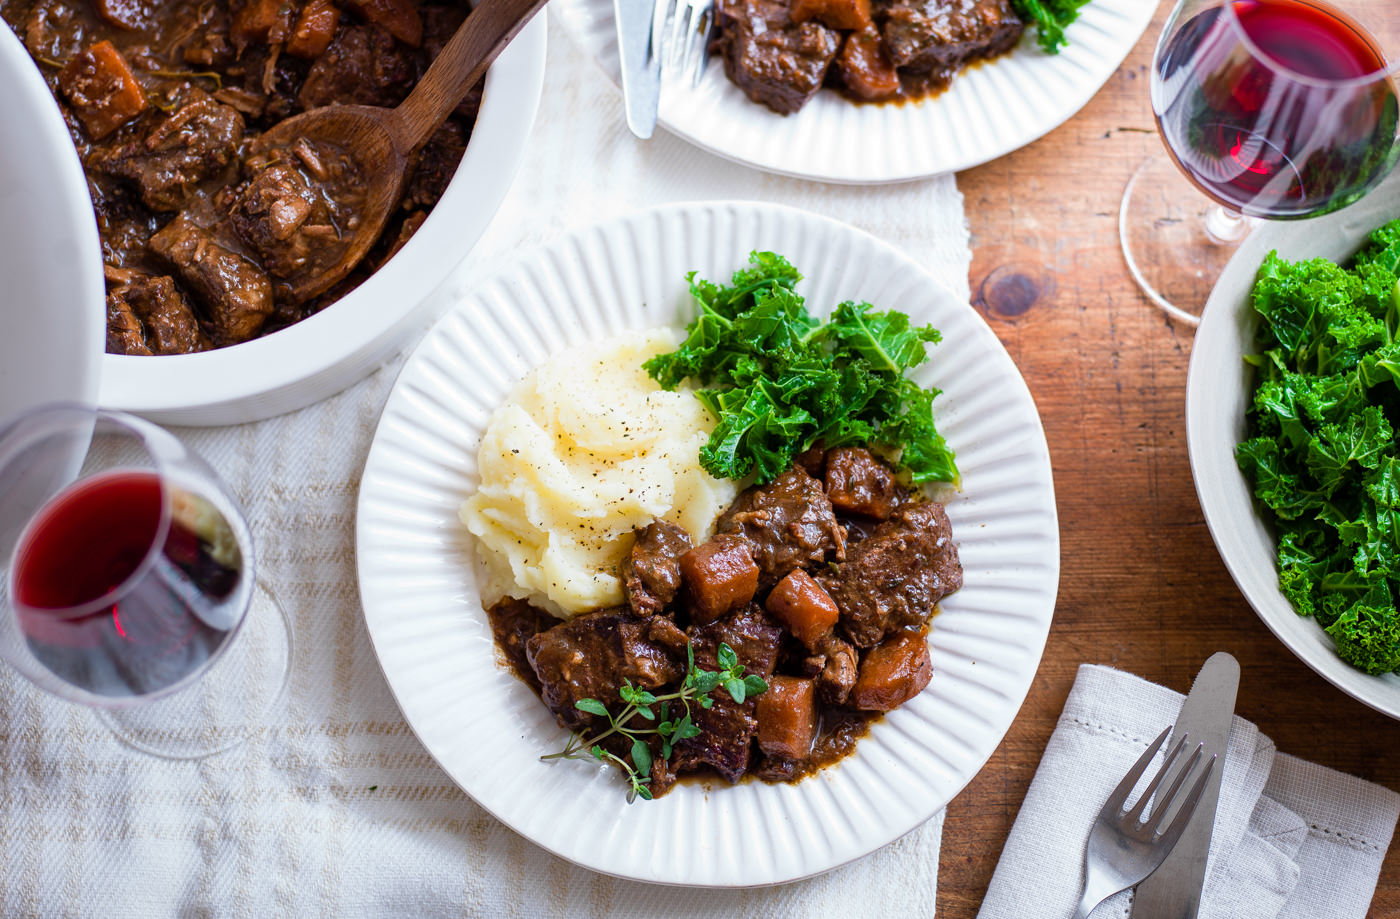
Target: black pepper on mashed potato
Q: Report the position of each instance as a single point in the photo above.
(585, 450)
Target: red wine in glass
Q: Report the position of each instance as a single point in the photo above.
(1276, 108)
(126, 583)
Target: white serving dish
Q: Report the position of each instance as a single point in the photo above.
(327, 352)
(1218, 390)
(50, 260)
(487, 729)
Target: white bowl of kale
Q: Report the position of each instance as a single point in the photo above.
(1292, 409)
(202, 239)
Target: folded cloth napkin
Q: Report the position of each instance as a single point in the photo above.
(1292, 839)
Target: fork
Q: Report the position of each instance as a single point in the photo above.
(1123, 847)
(681, 31)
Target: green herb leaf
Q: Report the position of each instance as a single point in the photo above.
(736, 689)
(1050, 18)
(592, 706)
(641, 756)
(726, 657)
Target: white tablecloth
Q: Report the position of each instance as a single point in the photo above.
(335, 809)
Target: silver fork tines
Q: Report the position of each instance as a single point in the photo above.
(1124, 845)
(681, 30)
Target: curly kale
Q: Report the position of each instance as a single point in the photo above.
(779, 381)
(1050, 18)
(1322, 454)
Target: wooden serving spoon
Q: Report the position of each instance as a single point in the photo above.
(381, 141)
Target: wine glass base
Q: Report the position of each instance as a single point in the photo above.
(1175, 240)
(229, 704)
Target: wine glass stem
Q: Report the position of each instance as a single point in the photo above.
(1226, 227)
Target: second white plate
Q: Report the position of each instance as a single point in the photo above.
(990, 110)
(487, 729)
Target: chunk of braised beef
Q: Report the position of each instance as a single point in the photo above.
(198, 141)
(839, 670)
(931, 35)
(53, 29)
(435, 165)
(291, 208)
(362, 66)
(124, 332)
(720, 575)
(125, 14)
(166, 321)
(513, 623)
(591, 655)
(651, 569)
(790, 522)
(860, 483)
(209, 45)
(727, 728)
(775, 61)
(235, 293)
(893, 672)
(893, 578)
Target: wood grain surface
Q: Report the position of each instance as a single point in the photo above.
(1141, 586)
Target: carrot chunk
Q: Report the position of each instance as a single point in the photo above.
(838, 14)
(799, 603)
(721, 575)
(314, 29)
(399, 18)
(103, 91)
(787, 717)
(893, 672)
(259, 21)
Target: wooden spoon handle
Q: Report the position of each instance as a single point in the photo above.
(463, 60)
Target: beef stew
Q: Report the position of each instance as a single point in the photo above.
(782, 52)
(204, 230)
(832, 618)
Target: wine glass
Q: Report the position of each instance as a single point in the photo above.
(1275, 109)
(130, 583)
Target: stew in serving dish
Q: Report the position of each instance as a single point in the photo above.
(201, 237)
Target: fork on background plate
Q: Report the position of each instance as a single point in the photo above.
(1124, 848)
(681, 32)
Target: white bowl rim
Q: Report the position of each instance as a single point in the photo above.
(23, 80)
(351, 328)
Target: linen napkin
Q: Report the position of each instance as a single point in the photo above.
(1292, 839)
(335, 809)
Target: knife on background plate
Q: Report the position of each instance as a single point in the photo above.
(1174, 890)
(641, 65)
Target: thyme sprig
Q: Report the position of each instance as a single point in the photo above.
(670, 713)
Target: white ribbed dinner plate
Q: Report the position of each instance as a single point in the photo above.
(991, 108)
(487, 729)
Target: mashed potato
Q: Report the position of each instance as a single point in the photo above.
(585, 450)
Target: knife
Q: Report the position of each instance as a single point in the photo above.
(1174, 890)
(641, 65)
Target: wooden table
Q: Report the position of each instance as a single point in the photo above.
(1141, 585)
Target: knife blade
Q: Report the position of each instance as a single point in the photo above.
(641, 65)
(1174, 890)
